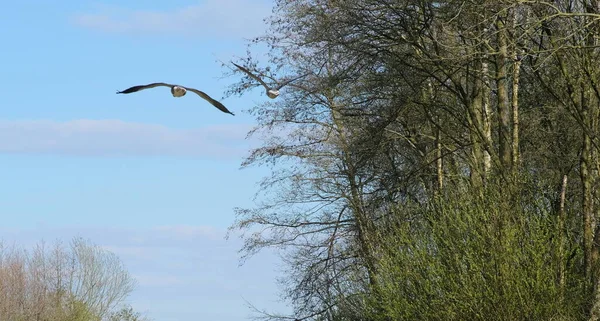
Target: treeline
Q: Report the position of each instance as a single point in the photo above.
(74, 282)
(436, 160)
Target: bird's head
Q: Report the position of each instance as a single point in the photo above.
(178, 91)
(272, 93)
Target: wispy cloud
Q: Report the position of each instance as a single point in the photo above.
(86, 137)
(158, 280)
(208, 18)
(189, 232)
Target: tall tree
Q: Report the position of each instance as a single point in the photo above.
(400, 103)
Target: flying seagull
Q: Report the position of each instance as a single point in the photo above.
(178, 91)
(271, 92)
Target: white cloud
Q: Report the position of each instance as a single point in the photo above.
(158, 280)
(208, 18)
(133, 252)
(86, 137)
(188, 232)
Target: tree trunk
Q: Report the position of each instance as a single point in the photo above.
(439, 160)
(561, 234)
(487, 121)
(504, 140)
(586, 181)
(477, 155)
(515, 110)
(439, 156)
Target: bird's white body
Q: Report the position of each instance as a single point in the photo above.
(272, 93)
(178, 91)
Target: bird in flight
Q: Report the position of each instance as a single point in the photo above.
(178, 91)
(272, 92)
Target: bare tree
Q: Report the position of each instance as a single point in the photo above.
(81, 282)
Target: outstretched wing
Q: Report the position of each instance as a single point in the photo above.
(287, 81)
(252, 75)
(215, 103)
(142, 87)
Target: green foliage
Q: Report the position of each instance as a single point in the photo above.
(478, 255)
(126, 314)
(78, 311)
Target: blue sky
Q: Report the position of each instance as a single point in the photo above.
(148, 176)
